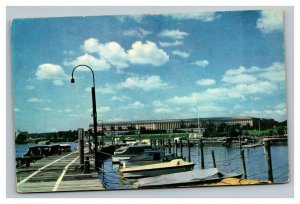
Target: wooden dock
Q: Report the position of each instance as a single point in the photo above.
(57, 173)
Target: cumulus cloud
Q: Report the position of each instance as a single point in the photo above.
(203, 16)
(119, 98)
(135, 105)
(270, 20)
(161, 107)
(66, 110)
(106, 89)
(35, 100)
(29, 87)
(201, 63)
(206, 82)
(147, 53)
(46, 109)
(169, 44)
(139, 33)
(174, 34)
(273, 73)
(17, 110)
(145, 83)
(114, 54)
(52, 72)
(86, 59)
(102, 109)
(180, 53)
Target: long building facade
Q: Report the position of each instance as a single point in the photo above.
(171, 124)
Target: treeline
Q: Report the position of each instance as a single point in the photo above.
(224, 130)
(61, 136)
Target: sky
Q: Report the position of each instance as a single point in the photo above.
(170, 66)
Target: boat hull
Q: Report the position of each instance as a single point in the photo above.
(157, 171)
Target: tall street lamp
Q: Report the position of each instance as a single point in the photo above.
(94, 111)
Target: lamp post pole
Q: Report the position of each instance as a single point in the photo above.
(94, 112)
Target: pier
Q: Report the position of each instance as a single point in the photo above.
(58, 173)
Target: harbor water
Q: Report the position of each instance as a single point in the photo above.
(227, 159)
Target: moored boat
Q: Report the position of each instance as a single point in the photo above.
(188, 178)
(174, 166)
(124, 153)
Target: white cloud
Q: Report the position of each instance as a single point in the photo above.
(203, 16)
(52, 72)
(136, 18)
(46, 109)
(147, 53)
(169, 44)
(35, 100)
(66, 110)
(160, 107)
(206, 82)
(17, 110)
(115, 54)
(139, 33)
(242, 75)
(102, 109)
(276, 72)
(30, 87)
(201, 63)
(174, 34)
(106, 89)
(86, 59)
(145, 83)
(135, 105)
(270, 20)
(119, 98)
(180, 53)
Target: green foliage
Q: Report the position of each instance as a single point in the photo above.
(21, 139)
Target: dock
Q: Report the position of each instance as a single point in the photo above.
(58, 173)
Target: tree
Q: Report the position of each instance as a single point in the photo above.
(21, 138)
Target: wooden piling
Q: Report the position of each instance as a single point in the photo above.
(181, 148)
(81, 152)
(213, 157)
(201, 153)
(154, 140)
(151, 143)
(189, 150)
(244, 163)
(169, 144)
(175, 147)
(269, 159)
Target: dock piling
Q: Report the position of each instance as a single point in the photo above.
(201, 153)
(181, 148)
(213, 157)
(269, 160)
(189, 150)
(175, 148)
(244, 163)
(169, 144)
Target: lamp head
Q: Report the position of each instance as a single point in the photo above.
(72, 80)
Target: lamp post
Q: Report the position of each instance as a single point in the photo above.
(94, 111)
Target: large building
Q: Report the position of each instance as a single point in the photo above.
(171, 124)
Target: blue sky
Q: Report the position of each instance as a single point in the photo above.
(211, 64)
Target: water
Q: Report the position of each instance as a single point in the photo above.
(22, 149)
(227, 159)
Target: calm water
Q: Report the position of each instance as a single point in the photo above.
(227, 159)
(22, 149)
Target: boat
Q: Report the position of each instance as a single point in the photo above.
(189, 178)
(124, 153)
(150, 156)
(173, 166)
